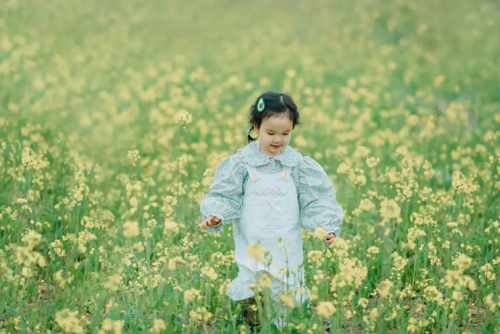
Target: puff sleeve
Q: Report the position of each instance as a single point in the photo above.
(317, 198)
(225, 195)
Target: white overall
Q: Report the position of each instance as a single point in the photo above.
(270, 211)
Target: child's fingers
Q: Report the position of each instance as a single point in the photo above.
(210, 221)
(203, 225)
(329, 238)
(214, 220)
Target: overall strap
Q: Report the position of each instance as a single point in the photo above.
(252, 173)
(286, 173)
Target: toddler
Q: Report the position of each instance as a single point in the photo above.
(268, 191)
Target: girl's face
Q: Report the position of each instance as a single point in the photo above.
(275, 133)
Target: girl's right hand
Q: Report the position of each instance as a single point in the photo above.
(209, 222)
(330, 237)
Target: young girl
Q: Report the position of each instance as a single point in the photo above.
(268, 191)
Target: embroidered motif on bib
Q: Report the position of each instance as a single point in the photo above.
(268, 192)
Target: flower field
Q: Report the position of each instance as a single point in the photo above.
(115, 115)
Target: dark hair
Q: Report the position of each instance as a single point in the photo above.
(275, 104)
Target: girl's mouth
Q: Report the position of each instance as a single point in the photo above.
(276, 146)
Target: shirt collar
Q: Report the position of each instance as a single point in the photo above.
(252, 156)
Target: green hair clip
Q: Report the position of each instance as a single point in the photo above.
(261, 105)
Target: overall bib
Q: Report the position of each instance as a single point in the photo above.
(270, 210)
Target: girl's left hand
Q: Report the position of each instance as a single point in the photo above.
(330, 237)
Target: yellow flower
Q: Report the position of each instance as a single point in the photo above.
(386, 288)
(287, 299)
(191, 294)
(314, 293)
(392, 315)
(492, 305)
(372, 162)
(265, 280)
(462, 262)
(62, 281)
(201, 314)
(360, 179)
(458, 296)
(432, 294)
(158, 326)
(112, 283)
(361, 152)
(291, 73)
(351, 273)
(390, 209)
(223, 287)
(31, 239)
(68, 321)
(133, 156)
(326, 309)
(131, 229)
(314, 255)
(363, 302)
(374, 314)
(172, 263)
(114, 326)
(438, 81)
(171, 226)
(343, 168)
(320, 233)
(366, 205)
(133, 202)
(300, 141)
(183, 117)
(209, 272)
(256, 251)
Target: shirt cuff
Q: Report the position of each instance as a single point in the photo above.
(333, 229)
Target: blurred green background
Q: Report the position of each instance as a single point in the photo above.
(60, 59)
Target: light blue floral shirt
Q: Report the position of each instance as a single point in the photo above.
(316, 193)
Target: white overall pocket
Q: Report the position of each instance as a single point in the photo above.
(271, 214)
